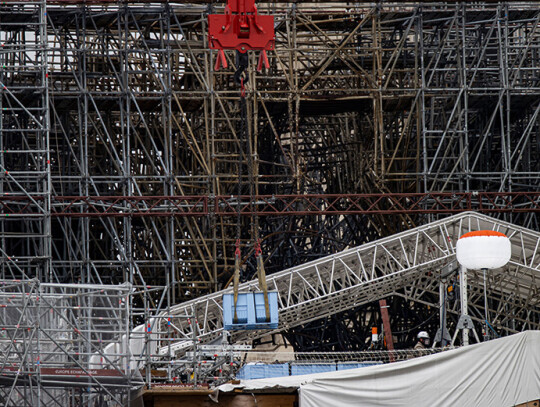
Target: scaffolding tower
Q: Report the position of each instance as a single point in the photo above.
(367, 98)
(24, 142)
(54, 343)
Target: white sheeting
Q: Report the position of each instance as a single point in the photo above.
(276, 383)
(503, 372)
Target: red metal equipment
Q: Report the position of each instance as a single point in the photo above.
(243, 29)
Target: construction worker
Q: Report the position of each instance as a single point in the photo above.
(423, 341)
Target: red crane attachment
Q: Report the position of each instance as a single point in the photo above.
(243, 29)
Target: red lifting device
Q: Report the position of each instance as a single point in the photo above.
(241, 28)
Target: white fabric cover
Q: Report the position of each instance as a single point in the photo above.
(499, 373)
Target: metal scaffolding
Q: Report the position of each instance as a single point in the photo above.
(24, 142)
(122, 158)
(54, 343)
(371, 98)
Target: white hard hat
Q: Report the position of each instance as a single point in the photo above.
(422, 334)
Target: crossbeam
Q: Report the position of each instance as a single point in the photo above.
(273, 205)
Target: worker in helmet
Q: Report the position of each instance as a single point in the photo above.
(423, 341)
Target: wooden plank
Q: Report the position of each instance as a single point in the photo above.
(386, 325)
(225, 400)
(534, 403)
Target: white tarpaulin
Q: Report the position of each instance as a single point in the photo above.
(503, 372)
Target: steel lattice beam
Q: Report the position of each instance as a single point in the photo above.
(406, 264)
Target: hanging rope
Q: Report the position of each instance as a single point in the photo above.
(240, 77)
(261, 276)
(241, 62)
(236, 281)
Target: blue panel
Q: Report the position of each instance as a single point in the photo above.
(241, 309)
(355, 365)
(227, 310)
(347, 366)
(250, 310)
(262, 371)
(241, 374)
(277, 370)
(260, 310)
(310, 368)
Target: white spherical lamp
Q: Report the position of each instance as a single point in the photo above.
(483, 249)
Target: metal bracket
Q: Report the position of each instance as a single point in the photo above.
(465, 322)
(444, 337)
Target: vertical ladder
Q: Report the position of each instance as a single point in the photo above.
(25, 181)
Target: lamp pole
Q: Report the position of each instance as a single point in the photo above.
(486, 315)
(463, 302)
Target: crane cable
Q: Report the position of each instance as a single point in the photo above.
(240, 76)
(261, 273)
(237, 252)
(241, 65)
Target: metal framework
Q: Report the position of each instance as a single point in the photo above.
(408, 264)
(274, 205)
(24, 141)
(122, 157)
(144, 147)
(186, 338)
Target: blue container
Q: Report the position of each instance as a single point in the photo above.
(310, 368)
(355, 365)
(250, 311)
(262, 371)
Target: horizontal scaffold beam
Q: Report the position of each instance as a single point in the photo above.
(273, 205)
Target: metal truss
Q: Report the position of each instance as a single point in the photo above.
(407, 264)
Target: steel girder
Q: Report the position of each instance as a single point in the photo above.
(407, 264)
(273, 205)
